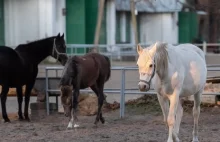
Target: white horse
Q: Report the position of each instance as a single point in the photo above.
(175, 71)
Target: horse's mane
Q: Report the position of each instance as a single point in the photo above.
(34, 44)
(161, 59)
(65, 78)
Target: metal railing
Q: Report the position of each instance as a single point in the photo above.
(117, 49)
(122, 91)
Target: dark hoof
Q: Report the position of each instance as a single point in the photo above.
(102, 119)
(96, 122)
(7, 120)
(27, 119)
(21, 118)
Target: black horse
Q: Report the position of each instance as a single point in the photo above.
(91, 70)
(19, 67)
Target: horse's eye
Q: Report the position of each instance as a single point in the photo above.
(150, 65)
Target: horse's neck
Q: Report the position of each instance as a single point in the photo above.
(35, 53)
(172, 61)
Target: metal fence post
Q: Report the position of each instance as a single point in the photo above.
(204, 47)
(47, 94)
(122, 101)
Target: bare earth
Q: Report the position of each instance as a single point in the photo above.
(143, 122)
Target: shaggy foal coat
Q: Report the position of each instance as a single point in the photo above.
(91, 70)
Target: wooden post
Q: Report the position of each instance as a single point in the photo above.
(98, 25)
(134, 21)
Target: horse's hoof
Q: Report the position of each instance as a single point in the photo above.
(69, 128)
(27, 119)
(76, 126)
(7, 120)
(21, 118)
(195, 139)
(96, 122)
(102, 119)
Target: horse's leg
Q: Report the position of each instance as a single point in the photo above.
(20, 100)
(196, 113)
(174, 100)
(96, 90)
(70, 125)
(75, 104)
(3, 102)
(29, 87)
(165, 109)
(100, 102)
(164, 104)
(179, 114)
(99, 114)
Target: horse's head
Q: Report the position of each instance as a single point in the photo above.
(66, 99)
(146, 65)
(59, 49)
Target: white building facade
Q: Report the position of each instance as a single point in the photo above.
(29, 20)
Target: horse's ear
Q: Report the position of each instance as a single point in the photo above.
(62, 36)
(58, 35)
(139, 49)
(154, 47)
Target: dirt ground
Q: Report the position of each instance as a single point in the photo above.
(143, 122)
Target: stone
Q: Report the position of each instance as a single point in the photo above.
(87, 104)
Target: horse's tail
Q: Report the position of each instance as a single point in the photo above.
(109, 68)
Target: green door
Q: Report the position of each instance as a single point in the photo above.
(188, 26)
(81, 18)
(75, 24)
(2, 34)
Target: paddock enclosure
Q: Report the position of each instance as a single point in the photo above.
(143, 120)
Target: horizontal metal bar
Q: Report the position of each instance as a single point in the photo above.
(142, 44)
(213, 65)
(85, 45)
(210, 68)
(130, 92)
(61, 67)
(88, 91)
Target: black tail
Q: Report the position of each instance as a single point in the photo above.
(109, 68)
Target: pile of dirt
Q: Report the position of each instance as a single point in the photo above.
(12, 91)
(212, 87)
(151, 103)
(88, 105)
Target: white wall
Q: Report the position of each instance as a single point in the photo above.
(21, 24)
(29, 20)
(60, 18)
(111, 22)
(159, 27)
(123, 26)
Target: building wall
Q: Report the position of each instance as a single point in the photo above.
(158, 27)
(29, 20)
(2, 32)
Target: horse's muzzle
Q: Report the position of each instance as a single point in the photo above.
(143, 86)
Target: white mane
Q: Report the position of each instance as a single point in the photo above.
(161, 59)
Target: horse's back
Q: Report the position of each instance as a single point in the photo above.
(7, 51)
(191, 61)
(190, 47)
(101, 64)
(10, 65)
(9, 56)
